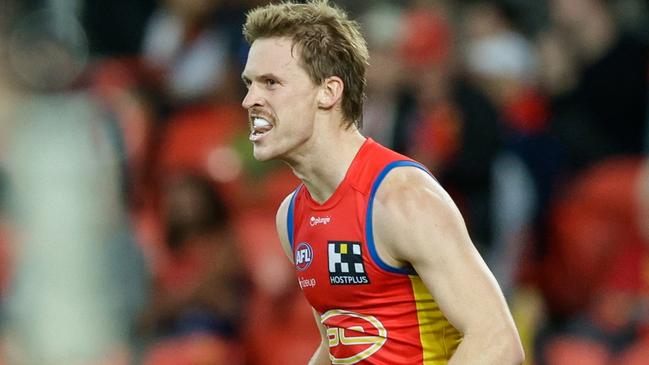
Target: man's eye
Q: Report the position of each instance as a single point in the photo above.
(271, 82)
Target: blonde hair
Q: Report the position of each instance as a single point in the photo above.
(329, 44)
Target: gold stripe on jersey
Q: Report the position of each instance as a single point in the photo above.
(439, 338)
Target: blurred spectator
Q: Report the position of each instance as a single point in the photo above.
(500, 61)
(200, 286)
(185, 79)
(593, 273)
(9, 95)
(597, 75)
(444, 122)
(120, 86)
(193, 46)
(47, 50)
(384, 75)
(517, 107)
(7, 103)
(77, 280)
(594, 278)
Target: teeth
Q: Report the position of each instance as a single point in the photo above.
(260, 123)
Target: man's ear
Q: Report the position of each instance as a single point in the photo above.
(331, 91)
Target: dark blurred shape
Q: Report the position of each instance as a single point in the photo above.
(47, 50)
(200, 284)
(604, 112)
(382, 27)
(115, 28)
(500, 61)
(594, 278)
(192, 209)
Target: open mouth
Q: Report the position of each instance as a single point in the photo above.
(260, 127)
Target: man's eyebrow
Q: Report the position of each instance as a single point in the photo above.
(265, 76)
(269, 76)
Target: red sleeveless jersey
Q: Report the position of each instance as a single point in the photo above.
(373, 313)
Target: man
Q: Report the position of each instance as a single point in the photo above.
(380, 250)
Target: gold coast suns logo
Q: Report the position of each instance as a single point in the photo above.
(352, 336)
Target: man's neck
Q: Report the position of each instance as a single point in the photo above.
(323, 167)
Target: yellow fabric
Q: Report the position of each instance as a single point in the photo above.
(439, 338)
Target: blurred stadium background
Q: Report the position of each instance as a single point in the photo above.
(135, 228)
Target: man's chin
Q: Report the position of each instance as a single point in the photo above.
(262, 156)
(263, 159)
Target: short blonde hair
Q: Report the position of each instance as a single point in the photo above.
(329, 44)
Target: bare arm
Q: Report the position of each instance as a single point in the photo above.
(282, 230)
(321, 354)
(416, 222)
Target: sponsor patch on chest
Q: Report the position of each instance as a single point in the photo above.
(346, 265)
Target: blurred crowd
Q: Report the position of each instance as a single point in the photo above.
(136, 228)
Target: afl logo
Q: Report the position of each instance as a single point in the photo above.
(352, 336)
(303, 256)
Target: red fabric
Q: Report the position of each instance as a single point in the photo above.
(359, 298)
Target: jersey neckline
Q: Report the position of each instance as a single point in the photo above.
(352, 171)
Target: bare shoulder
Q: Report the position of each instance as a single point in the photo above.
(411, 208)
(410, 190)
(282, 227)
(282, 211)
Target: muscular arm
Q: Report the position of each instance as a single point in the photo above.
(416, 222)
(321, 354)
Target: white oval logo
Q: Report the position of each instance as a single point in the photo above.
(303, 256)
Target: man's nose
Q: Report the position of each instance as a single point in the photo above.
(252, 98)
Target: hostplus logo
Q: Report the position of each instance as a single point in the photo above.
(346, 265)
